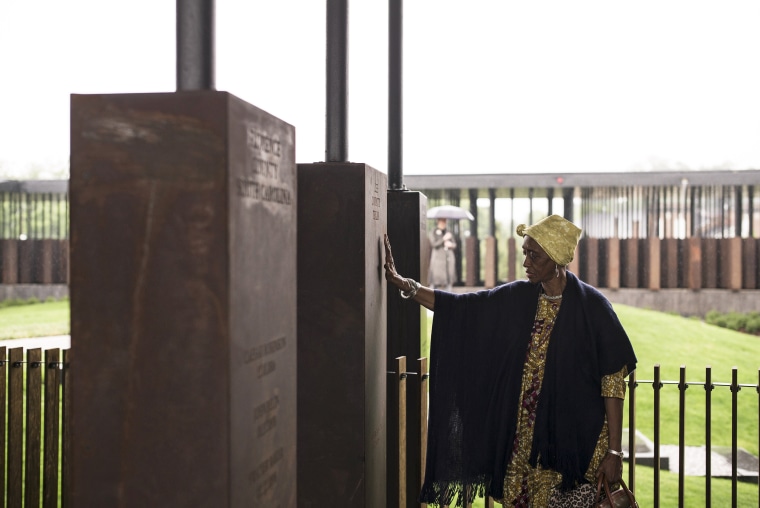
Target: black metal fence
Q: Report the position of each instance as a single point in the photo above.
(35, 209)
(34, 231)
(647, 407)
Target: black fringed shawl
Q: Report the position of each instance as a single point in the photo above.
(478, 348)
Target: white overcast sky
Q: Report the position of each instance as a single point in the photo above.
(490, 86)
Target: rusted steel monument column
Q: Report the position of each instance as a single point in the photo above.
(183, 302)
(710, 263)
(693, 262)
(591, 259)
(342, 368)
(669, 263)
(731, 263)
(613, 262)
(750, 264)
(183, 294)
(10, 261)
(652, 263)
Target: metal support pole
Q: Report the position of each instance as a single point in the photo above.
(395, 95)
(195, 45)
(336, 131)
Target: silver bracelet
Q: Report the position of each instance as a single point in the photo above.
(415, 287)
(615, 452)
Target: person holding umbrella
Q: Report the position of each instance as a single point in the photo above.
(527, 382)
(442, 273)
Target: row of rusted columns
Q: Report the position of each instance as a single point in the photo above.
(258, 279)
(647, 263)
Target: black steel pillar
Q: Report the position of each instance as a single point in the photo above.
(395, 95)
(492, 230)
(567, 198)
(336, 131)
(738, 211)
(195, 45)
(750, 210)
(492, 212)
(550, 199)
(474, 258)
(530, 205)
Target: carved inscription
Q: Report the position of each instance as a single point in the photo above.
(265, 474)
(262, 192)
(265, 415)
(261, 142)
(260, 354)
(375, 201)
(263, 180)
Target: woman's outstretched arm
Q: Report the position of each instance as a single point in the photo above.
(422, 295)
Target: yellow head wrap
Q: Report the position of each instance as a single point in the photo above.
(556, 235)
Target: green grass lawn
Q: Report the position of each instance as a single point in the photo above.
(672, 341)
(34, 320)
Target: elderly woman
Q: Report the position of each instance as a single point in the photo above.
(527, 382)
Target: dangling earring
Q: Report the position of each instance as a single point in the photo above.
(556, 271)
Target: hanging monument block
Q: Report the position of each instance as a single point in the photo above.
(342, 368)
(591, 259)
(613, 263)
(407, 230)
(183, 294)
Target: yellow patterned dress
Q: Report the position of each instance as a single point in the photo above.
(525, 485)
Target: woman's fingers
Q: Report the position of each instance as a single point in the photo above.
(388, 254)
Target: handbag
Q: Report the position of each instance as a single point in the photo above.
(620, 498)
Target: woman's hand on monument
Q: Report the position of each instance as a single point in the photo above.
(391, 275)
(423, 295)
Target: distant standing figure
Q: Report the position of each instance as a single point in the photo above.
(442, 259)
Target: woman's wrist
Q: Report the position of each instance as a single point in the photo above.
(412, 285)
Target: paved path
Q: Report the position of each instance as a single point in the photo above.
(58, 341)
(695, 458)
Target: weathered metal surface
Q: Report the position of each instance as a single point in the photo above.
(9, 261)
(407, 229)
(730, 252)
(669, 263)
(710, 263)
(693, 257)
(342, 368)
(182, 302)
(613, 263)
(750, 262)
(630, 262)
(652, 262)
(591, 261)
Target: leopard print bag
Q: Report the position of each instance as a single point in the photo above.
(582, 496)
